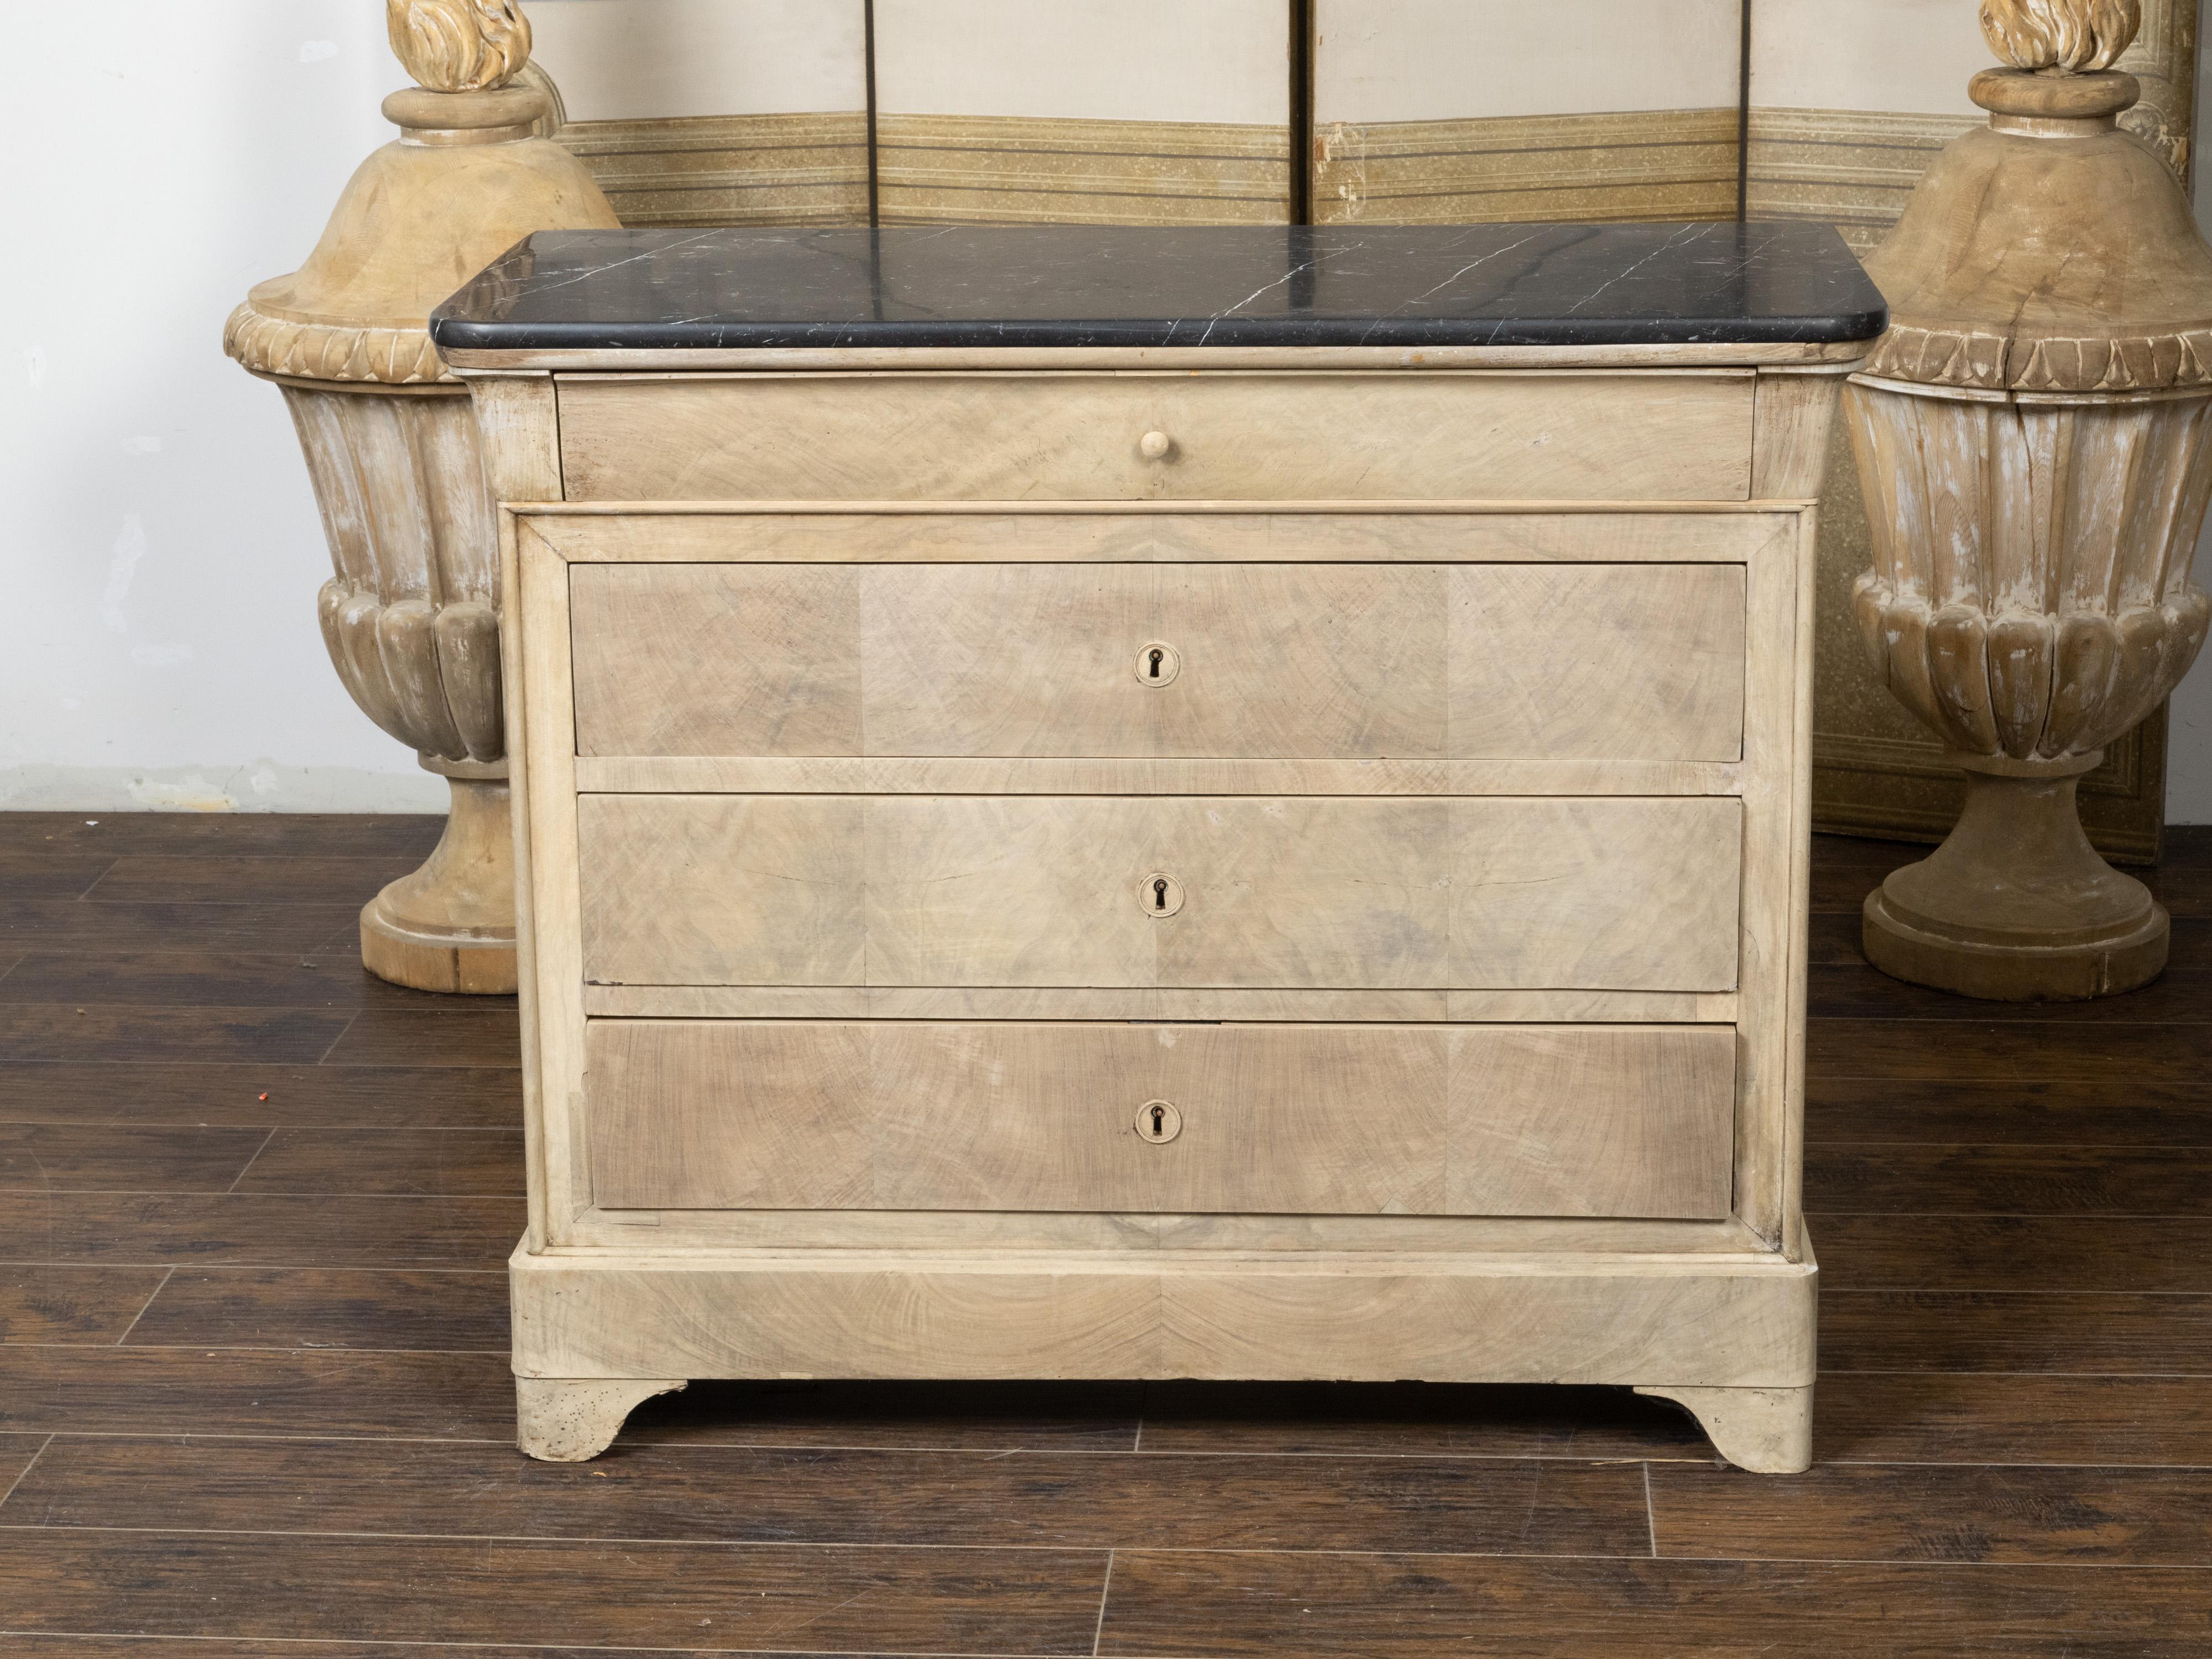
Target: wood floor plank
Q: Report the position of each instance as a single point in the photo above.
(1933, 1252)
(2021, 1112)
(184, 1091)
(439, 1162)
(1415, 1419)
(972, 1499)
(488, 1032)
(125, 1390)
(2117, 1179)
(45, 1303)
(1954, 1418)
(18, 1452)
(22, 1645)
(41, 874)
(75, 924)
(228, 877)
(906, 1414)
(235, 978)
(742, 1597)
(104, 1158)
(2178, 997)
(238, 835)
(2027, 1050)
(1407, 1606)
(89, 1034)
(1847, 1512)
(1845, 869)
(2183, 880)
(2082, 1333)
(261, 1229)
(391, 1308)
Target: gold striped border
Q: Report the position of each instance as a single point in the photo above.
(1020, 170)
(1640, 164)
(807, 169)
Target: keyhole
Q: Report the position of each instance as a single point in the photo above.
(1159, 892)
(1159, 1120)
(1153, 669)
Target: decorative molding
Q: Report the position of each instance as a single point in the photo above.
(1642, 164)
(332, 351)
(459, 45)
(1020, 170)
(794, 169)
(2065, 36)
(1996, 362)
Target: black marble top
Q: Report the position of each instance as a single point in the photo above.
(1084, 285)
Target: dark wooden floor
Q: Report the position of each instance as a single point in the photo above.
(246, 1409)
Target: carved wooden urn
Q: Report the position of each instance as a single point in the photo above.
(2032, 435)
(410, 612)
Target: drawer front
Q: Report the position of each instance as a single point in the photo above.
(1262, 661)
(1653, 435)
(1532, 1120)
(1619, 893)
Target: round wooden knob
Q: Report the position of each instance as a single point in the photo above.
(1155, 446)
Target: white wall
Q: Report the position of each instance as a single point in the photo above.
(159, 551)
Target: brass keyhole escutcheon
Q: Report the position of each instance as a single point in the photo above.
(1159, 1122)
(1161, 894)
(1157, 664)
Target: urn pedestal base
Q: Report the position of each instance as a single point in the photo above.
(2016, 906)
(450, 925)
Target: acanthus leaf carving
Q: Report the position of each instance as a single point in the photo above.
(2068, 37)
(459, 45)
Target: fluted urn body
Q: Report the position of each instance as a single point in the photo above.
(2034, 437)
(410, 612)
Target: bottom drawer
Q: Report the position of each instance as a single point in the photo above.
(1474, 1120)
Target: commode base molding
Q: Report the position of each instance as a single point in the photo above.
(1730, 1338)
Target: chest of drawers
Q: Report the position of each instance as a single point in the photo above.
(1075, 849)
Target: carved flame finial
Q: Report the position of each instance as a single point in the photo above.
(461, 46)
(2064, 37)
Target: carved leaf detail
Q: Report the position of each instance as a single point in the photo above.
(459, 45)
(2068, 36)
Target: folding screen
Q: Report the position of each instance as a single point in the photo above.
(1101, 111)
(714, 112)
(1436, 111)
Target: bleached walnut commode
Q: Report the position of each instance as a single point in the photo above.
(1104, 803)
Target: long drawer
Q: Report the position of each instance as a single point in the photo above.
(1575, 435)
(1617, 893)
(1641, 662)
(1535, 1121)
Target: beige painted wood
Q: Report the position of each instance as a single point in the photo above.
(1263, 661)
(905, 775)
(573, 1420)
(1766, 1431)
(1795, 413)
(1376, 901)
(540, 679)
(1473, 1120)
(1137, 1002)
(1187, 532)
(1776, 873)
(1672, 436)
(1379, 1316)
(1625, 894)
(1288, 1236)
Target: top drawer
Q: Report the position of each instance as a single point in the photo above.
(1438, 436)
